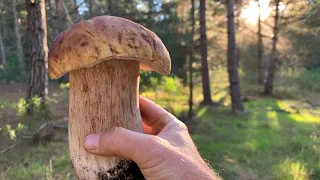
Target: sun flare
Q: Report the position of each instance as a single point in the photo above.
(251, 12)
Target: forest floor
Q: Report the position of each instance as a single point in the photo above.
(276, 139)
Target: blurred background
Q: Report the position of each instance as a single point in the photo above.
(245, 79)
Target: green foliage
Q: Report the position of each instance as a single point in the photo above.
(159, 83)
(22, 107)
(36, 102)
(154, 81)
(148, 79)
(310, 79)
(291, 169)
(41, 110)
(161, 90)
(20, 127)
(12, 68)
(170, 84)
(14, 132)
(3, 104)
(312, 16)
(11, 132)
(64, 85)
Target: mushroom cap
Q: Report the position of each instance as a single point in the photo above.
(103, 38)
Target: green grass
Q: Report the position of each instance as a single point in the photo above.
(277, 139)
(273, 142)
(36, 163)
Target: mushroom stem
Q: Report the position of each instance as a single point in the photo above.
(102, 97)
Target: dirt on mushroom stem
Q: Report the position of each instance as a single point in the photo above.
(102, 97)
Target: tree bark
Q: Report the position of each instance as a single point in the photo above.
(22, 69)
(90, 8)
(3, 58)
(190, 112)
(204, 55)
(272, 69)
(238, 4)
(232, 61)
(75, 6)
(38, 50)
(110, 7)
(68, 17)
(260, 48)
(103, 97)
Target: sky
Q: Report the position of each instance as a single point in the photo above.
(83, 8)
(251, 13)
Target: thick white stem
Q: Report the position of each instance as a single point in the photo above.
(102, 97)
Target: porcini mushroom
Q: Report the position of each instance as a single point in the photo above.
(104, 56)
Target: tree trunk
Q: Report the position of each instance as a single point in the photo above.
(110, 7)
(75, 6)
(90, 8)
(204, 55)
(3, 58)
(272, 69)
(232, 61)
(238, 12)
(22, 69)
(190, 113)
(38, 50)
(260, 48)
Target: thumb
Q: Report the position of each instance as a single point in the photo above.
(119, 142)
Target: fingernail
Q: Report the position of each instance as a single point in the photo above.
(91, 142)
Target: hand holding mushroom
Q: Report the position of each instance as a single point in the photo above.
(104, 56)
(166, 151)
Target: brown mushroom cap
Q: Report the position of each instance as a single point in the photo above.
(107, 38)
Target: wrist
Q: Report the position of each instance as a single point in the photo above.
(200, 172)
(210, 175)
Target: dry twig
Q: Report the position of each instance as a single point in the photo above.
(10, 147)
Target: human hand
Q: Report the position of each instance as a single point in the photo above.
(165, 151)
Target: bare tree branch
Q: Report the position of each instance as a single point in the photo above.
(10, 147)
(6, 7)
(67, 13)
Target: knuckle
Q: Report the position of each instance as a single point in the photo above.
(151, 141)
(164, 118)
(110, 139)
(117, 137)
(118, 130)
(182, 126)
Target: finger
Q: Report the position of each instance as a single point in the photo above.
(119, 142)
(153, 115)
